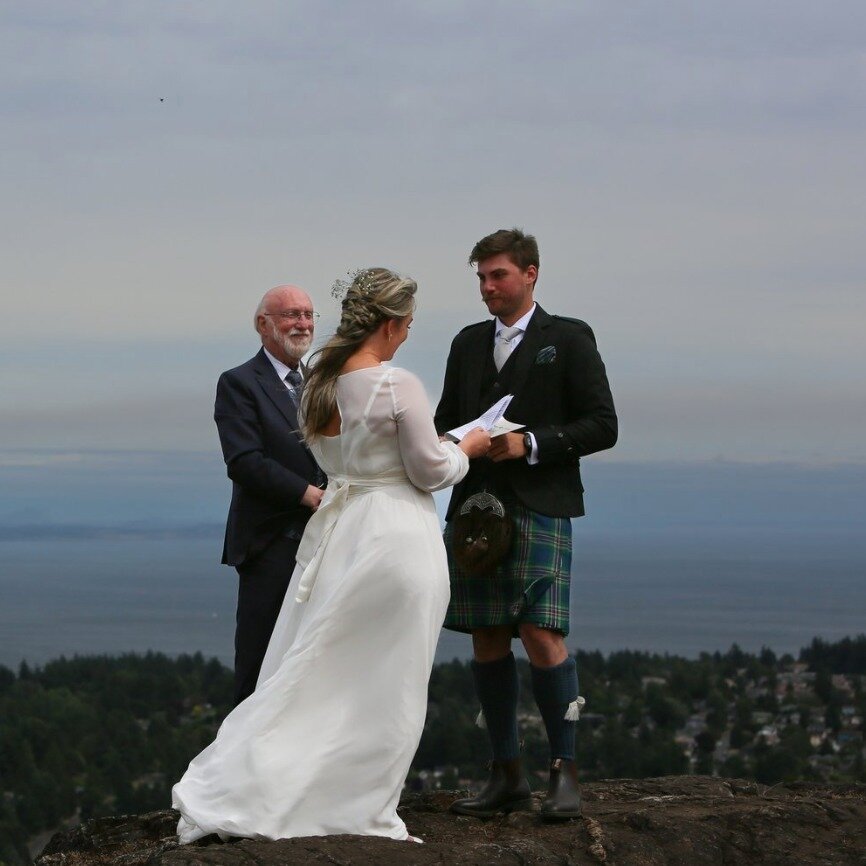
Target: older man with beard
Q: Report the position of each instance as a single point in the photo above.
(276, 483)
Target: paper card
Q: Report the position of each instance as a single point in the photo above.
(491, 420)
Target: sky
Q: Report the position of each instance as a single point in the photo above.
(693, 174)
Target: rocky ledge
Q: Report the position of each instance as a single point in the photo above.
(673, 820)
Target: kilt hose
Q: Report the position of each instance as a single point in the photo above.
(532, 584)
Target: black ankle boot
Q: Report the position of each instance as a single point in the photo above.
(563, 794)
(506, 791)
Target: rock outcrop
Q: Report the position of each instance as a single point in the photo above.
(671, 821)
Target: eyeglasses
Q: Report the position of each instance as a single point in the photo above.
(295, 315)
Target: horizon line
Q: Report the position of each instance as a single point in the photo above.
(609, 458)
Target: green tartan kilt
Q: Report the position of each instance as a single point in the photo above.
(532, 584)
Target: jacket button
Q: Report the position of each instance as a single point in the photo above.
(560, 435)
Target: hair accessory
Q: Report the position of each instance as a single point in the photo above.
(359, 278)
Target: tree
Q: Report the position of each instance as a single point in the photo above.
(717, 713)
(833, 717)
(706, 742)
(666, 713)
(7, 679)
(777, 764)
(735, 767)
(767, 658)
(823, 685)
(740, 737)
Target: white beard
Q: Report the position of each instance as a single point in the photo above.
(295, 345)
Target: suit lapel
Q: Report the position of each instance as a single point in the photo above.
(479, 354)
(279, 395)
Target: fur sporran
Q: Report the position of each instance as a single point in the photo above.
(482, 534)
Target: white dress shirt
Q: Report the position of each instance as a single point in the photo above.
(282, 369)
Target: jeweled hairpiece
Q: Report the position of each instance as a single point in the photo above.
(359, 277)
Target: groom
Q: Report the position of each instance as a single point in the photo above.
(561, 394)
(275, 480)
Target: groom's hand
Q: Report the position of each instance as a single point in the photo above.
(507, 446)
(312, 497)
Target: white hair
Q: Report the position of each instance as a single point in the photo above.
(260, 310)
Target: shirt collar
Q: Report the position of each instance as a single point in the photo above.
(281, 368)
(522, 322)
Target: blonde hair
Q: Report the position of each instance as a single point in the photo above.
(374, 296)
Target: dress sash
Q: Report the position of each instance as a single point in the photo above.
(314, 543)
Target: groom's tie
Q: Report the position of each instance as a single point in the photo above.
(503, 346)
(296, 386)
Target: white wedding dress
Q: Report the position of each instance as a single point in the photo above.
(324, 744)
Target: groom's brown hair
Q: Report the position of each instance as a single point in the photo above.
(520, 247)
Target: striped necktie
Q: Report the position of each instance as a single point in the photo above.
(296, 385)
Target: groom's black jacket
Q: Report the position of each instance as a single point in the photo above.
(561, 395)
(266, 459)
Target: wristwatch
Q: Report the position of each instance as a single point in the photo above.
(527, 443)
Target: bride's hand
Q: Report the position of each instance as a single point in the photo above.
(475, 443)
(312, 497)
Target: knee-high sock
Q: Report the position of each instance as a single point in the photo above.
(497, 688)
(555, 689)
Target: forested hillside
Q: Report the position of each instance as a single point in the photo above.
(96, 735)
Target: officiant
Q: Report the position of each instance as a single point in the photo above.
(561, 398)
(276, 482)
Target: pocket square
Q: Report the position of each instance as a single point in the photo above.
(547, 355)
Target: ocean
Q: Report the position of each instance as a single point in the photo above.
(662, 592)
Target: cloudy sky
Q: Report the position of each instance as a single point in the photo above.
(693, 172)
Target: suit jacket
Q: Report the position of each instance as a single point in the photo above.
(560, 393)
(266, 458)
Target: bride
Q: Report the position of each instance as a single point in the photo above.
(324, 744)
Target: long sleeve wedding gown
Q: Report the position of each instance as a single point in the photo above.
(324, 744)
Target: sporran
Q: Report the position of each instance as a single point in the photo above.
(482, 534)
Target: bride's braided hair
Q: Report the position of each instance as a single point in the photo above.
(374, 296)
